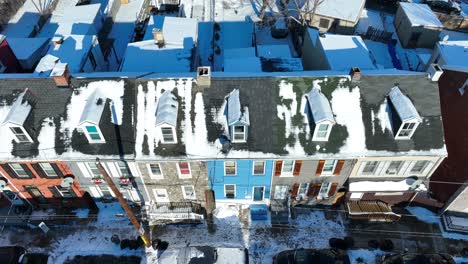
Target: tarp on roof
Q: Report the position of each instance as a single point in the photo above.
(167, 110)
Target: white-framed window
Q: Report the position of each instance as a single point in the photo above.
(161, 196)
(94, 135)
(303, 187)
(124, 170)
(328, 167)
(105, 192)
(406, 130)
(230, 191)
(183, 168)
(21, 136)
(168, 135)
(238, 134)
(188, 192)
(322, 132)
(65, 192)
(93, 169)
(230, 168)
(281, 192)
(370, 167)
(419, 166)
(288, 167)
(154, 170)
(18, 169)
(259, 167)
(324, 189)
(48, 169)
(394, 167)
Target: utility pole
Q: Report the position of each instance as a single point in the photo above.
(124, 204)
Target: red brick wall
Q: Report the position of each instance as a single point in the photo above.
(42, 184)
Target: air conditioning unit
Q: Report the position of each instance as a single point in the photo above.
(435, 72)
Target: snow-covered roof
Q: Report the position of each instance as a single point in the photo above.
(349, 10)
(319, 106)
(167, 110)
(24, 48)
(420, 15)
(92, 111)
(235, 113)
(147, 56)
(384, 186)
(19, 111)
(273, 51)
(344, 52)
(403, 105)
(177, 31)
(46, 64)
(455, 53)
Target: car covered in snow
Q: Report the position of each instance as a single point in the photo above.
(204, 255)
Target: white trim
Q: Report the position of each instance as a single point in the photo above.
(335, 162)
(397, 172)
(423, 168)
(413, 121)
(89, 169)
(235, 168)
(234, 134)
(90, 140)
(174, 134)
(95, 192)
(189, 176)
(185, 194)
(26, 175)
(287, 174)
(316, 129)
(113, 169)
(24, 132)
(303, 195)
(161, 200)
(84, 169)
(44, 170)
(264, 167)
(325, 195)
(235, 191)
(132, 166)
(263, 194)
(150, 171)
(356, 195)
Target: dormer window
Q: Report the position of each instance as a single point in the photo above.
(166, 117)
(403, 115)
(320, 115)
(91, 118)
(237, 117)
(16, 119)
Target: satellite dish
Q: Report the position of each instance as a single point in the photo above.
(67, 182)
(3, 184)
(445, 38)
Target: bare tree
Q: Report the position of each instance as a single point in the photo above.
(305, 13)
(43, 6)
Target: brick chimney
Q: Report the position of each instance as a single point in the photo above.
(204, 76)
(57, 40)
(61, 75)
(355, 74)
(158, 37)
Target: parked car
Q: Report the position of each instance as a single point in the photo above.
(444, 6)
(312, 256)
(204, 255)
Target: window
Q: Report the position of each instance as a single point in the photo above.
(63, 192)
(18, 169)
(105, 192)
(48, 169)
(322, 131)
(154, 170)
(324, 189)
(406, 130)
(230, 191)
(259, 168)
(168, 136)
(184, 170)
(188, 192)
(324, 23)
(303, 187)
(161, 195)
(328, 167)
(370, 167)
(20, 134)
(35, 193)
(93, 133)
(239, 134)
(281, 192)
(230, 168)
(288, 167)
(394, 167)
(419, 166)
(92, 167)
(124, 170)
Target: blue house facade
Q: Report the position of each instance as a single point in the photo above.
(240, 181)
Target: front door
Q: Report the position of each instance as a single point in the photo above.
(258, 193)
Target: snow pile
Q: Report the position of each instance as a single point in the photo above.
(381, 186)
(363, 256)
(226, 214)
(47, 140)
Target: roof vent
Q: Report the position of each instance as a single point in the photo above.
(61, 75)
(435, 72)
(355, 74)
(204, 76)
(158, 37)
(57, 40)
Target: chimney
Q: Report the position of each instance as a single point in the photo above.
(158, 37)
(204, 76)
(435, 72)
(61, 75)
(57, 40)
(355, 74)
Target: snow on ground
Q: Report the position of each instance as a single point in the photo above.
(364, 256)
